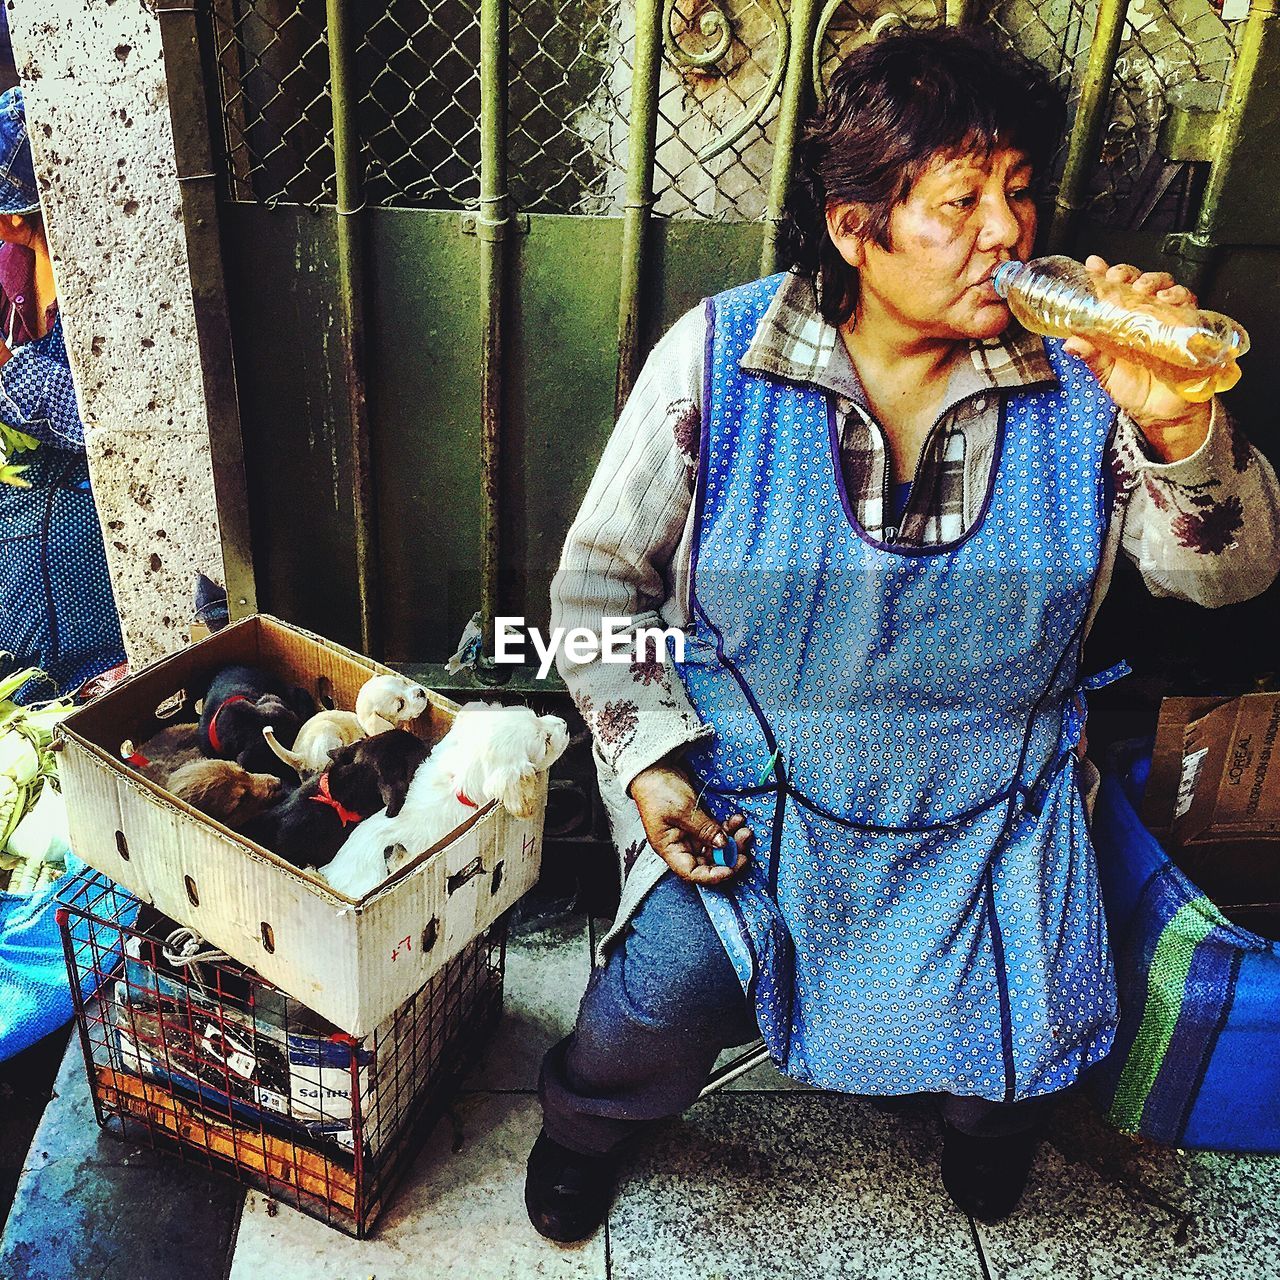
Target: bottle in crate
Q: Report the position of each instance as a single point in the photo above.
(1193, 351)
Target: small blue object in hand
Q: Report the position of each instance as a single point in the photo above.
(725, 857)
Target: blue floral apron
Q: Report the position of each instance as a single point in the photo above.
(922, 909)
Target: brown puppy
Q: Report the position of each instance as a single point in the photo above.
(308, 826)
(224, 790)
(164, 752)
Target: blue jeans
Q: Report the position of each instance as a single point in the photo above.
(652, 1023)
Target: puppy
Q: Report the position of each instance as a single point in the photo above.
(388, 702)
(490, 753)
(164, 752)
(308, 826)
(223, 790)
(384, 702)
(317, 740)
(240, 703)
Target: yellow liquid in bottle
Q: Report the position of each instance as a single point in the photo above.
(1193, 352)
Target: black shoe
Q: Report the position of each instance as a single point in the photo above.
(986, 1176)
(567, 1194)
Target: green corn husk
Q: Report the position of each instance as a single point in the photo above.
(48, 874)
(27, 766)
(33, 877)
(24, 879)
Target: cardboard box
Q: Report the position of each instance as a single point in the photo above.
(354, 963)
(1229, 789)
(1160, 797)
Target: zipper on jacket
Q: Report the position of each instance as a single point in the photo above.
(890, 532)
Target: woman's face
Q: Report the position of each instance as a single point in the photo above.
(964, 216)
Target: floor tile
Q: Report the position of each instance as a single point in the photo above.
(546, 975)
(783, 1185)
(89, 1204)
(1101, 1206)
(455, 1217)
(26, 1085)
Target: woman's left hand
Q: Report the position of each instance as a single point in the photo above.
(1175, 428)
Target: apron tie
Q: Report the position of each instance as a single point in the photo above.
(1073, 728)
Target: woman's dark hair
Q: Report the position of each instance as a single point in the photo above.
(891, 107)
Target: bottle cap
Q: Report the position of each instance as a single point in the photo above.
(1002, 277)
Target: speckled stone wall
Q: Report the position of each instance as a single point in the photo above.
(93, 75)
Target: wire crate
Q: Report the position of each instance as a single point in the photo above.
(187, 1049)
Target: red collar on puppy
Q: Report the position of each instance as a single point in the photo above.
(345, 815)
(465, 799)
(213, 724)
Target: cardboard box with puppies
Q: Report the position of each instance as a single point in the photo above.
(352, 959)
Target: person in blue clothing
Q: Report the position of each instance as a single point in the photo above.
(57, 610)
(852, 813)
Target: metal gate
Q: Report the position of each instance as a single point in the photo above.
(449, 233)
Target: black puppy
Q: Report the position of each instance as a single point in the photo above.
(240, 703)
(309, 826)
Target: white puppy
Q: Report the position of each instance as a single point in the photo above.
(384, 702)
(389, 702)
(490, 753)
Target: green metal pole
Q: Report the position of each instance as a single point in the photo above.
(493, 228)
(349, 167)
(794, 88)
(190, 80)
(1091, 116)
(641, 145)
(1257, 54)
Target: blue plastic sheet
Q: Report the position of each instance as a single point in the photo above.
(35, 991)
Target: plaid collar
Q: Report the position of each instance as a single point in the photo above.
(794, 342)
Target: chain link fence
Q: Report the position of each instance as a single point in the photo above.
(1169, 49)
(719, 90)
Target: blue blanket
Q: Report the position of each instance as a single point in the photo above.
(35, 990)
(1196, 1061)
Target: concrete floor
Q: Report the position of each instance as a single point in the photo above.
(763, 1180)
(26, 1085)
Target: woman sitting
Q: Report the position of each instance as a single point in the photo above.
(884, 516)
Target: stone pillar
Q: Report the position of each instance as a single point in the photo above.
(97, 111)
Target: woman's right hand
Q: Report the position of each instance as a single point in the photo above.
(682, 834)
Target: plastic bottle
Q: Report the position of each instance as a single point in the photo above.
(1195, 352)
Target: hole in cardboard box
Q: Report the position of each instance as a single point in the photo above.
(430, 934)
(268, 938)
(193, 894)
(496, 882)
(122, 845)
(172, 705)
(459, 878)
(324, 692)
